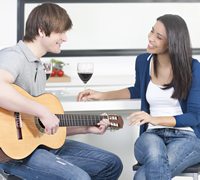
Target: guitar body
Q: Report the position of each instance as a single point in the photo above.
(21, 134)
(32, 136)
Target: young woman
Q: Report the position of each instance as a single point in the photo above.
(167, 81)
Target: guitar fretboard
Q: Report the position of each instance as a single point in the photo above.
(79, 120)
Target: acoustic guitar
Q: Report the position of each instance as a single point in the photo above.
(21, 134)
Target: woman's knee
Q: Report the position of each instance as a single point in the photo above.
(149, 146)
(140, 174)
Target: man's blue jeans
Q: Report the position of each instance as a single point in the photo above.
(165, 153)
(74, 161)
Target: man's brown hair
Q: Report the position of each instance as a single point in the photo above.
(49, 17)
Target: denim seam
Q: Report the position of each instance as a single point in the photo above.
(92, 159)
(90, 149)
(31, 168)
(97, 150)
(140, 153)
(185, 158)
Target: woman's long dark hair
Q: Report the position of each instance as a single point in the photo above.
(180, 53)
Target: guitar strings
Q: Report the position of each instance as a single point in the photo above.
(70, 119)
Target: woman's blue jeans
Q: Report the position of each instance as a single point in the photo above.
(74, 161)
(165, 153)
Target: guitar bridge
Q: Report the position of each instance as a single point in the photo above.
(18, 125)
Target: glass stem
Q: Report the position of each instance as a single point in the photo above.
(85, 86)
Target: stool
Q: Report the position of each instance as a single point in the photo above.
(192, 171)
(9, 177)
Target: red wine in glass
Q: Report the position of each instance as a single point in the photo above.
(48, 76)
(85, 77)
(85, 71)
(47, 69)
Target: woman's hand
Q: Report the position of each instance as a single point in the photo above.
(90, 94)
(109, 95)
(141, 118)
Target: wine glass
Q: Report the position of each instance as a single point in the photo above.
(48, 69)
(85, 71)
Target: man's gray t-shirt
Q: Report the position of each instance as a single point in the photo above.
(27, 70)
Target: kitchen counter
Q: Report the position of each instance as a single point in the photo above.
(70, 104)
(67, 92)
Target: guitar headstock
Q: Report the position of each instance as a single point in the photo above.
(116, 122)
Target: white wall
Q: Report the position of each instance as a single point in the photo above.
(121, 25)
(103, 65)
(8, 19)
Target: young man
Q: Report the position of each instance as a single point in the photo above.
(45, 32)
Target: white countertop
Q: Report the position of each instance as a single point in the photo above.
(70, 104)
(67, 93)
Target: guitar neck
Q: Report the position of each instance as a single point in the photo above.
(79, 120)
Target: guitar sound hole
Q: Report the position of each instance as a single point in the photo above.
(40, 123)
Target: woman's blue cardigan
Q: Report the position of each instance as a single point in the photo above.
(190, 106)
